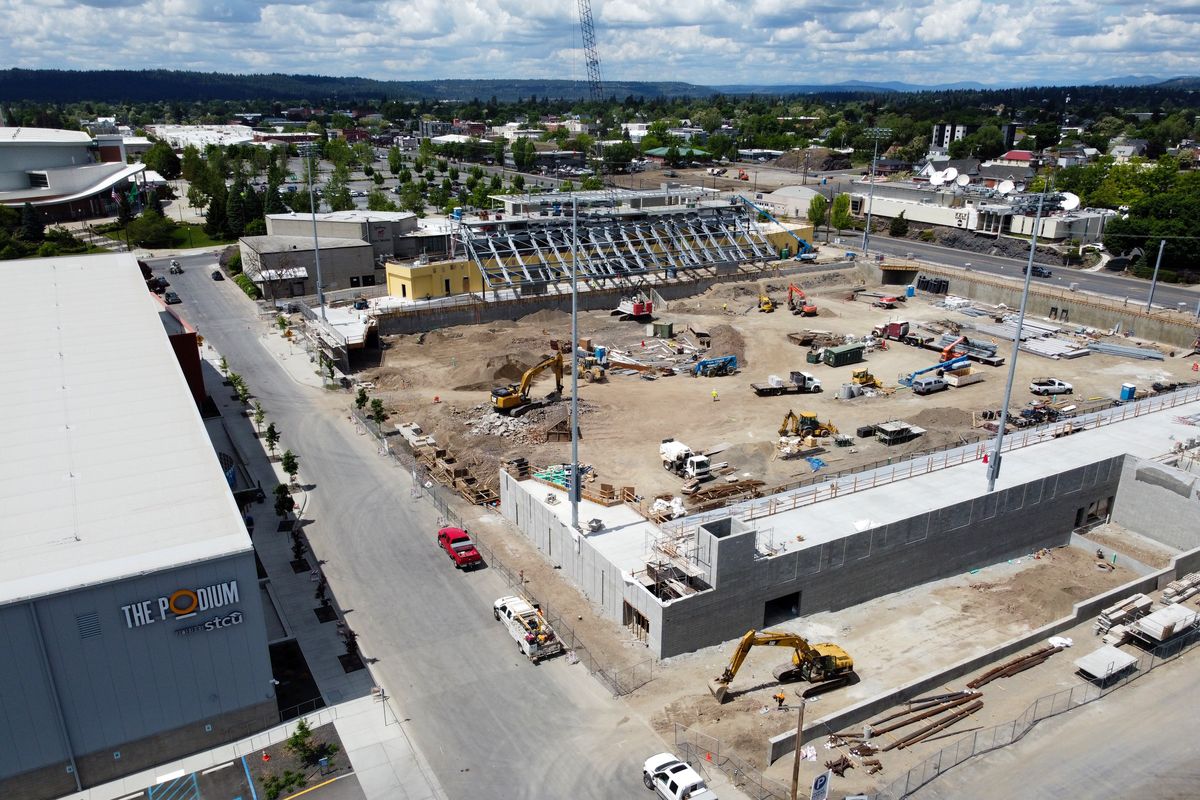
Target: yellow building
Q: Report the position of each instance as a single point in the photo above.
(434, 279)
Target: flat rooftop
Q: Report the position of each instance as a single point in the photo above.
(275, 243)
(108, 472)
(353, 215)
(627, 538)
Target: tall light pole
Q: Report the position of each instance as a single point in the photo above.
(307, 150)
(993, 471)
(876, 134)
(575, 481)
(1154, 278)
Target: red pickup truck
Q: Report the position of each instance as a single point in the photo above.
(459, 547)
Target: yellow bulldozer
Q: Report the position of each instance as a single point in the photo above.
(825, 663)
(513, 400)
(765, 304)
(591, 370)
(863, 377)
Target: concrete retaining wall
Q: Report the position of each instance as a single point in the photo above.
(1171, 328)
(417, 318)
(1165, 507)
(859, 567)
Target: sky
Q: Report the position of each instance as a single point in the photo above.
(711, 42)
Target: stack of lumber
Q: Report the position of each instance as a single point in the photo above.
(1123, 612)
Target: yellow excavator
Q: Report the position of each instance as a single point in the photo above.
(513, 400)
(825, 663)
(765, 304)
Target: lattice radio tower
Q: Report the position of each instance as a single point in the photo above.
(595, 86)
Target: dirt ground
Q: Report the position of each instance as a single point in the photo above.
(1112, 537)
(624, 419)
(893, 639)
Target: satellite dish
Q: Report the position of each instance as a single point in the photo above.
(1005, 187)
(1070, 201)
(963, 180)
(951, 173)
(937, 179)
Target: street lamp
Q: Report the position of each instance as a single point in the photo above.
(306, 149)
(876, 134)
(993, 470)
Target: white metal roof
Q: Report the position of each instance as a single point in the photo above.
(43, 136)
(107, 470)
(352, 215)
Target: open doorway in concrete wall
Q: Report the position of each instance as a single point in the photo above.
(781, 609)
(1094, 512)
(636, 622)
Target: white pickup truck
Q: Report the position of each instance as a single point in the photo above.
(1045, 386)
(534, 636)
(672, 779)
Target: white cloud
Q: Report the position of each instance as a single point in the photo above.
(701, 41)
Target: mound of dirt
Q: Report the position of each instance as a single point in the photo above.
(495, 371)
(727, 342)
(548, 316)
(388, 379)
(941, 419)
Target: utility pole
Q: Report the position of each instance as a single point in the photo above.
(308, 148)
(1154, 278)
(575, 484)
(993, 471)
(796, 759)
(876, 134)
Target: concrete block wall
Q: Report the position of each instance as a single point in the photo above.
(859, 567)
(595, 576)
(1159, 502)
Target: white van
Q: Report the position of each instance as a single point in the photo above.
(929, 385)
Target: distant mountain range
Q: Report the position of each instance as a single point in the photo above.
(134, 86)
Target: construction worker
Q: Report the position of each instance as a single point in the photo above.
(780, 699)
(714, 395)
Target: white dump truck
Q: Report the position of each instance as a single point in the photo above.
(534, 636)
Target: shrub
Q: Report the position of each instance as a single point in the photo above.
(247, 285)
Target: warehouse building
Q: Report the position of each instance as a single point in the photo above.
(131, 621)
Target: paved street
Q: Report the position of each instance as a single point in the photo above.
(1137, 742)
(490, 724)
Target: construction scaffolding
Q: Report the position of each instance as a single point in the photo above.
(614, 247)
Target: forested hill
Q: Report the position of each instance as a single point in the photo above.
(144, 86)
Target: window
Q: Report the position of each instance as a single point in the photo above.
(404, 290)
(354, 282)
(368, 280)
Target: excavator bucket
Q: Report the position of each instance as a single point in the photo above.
(719, 690)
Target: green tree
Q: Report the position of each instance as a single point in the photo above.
(498, 151)
(272, 437)
(284, 503)
(190, 165)
(524, 153)
(124, 210)
(840, 216)
(290, 464)
(300, 743)
(151, 229)
(162, 159)
(816, 212)
(32, 227)
(361, 399)
(235, 210)
(378, 201)
(216, 223)
(377, 411)
(337, 191)
(411, 199)
(898, 227)
(260, 415)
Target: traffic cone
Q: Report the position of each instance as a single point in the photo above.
(266, 756)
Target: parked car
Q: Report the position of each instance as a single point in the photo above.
(170, 298)
(1046, 386)
(459, 547)
(1038, 271)
(929, 385)
(672, 779)
(217, 275)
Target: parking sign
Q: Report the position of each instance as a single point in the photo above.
(820, 787)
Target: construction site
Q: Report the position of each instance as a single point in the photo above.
(792, 455)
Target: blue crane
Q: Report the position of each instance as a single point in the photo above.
(953, 363)
(803, 248)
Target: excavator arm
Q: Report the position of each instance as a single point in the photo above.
(790, 424)
(821, 662)
(554, 362)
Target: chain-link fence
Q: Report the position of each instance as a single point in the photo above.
(701, 751)
(989, 739)
(619, 680)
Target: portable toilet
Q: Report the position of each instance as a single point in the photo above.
(1128, 390)
(910, 291)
